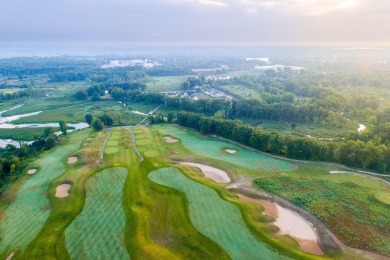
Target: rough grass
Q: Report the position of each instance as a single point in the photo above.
(98, 232)
(215, 149)
(214, 217)
(111, 150)
(348, 208)
(383, 197)
(26, 215)
(151, 153)
(24, 134)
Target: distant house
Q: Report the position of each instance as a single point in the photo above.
(185, 95)
(194, 97)
(213, 93)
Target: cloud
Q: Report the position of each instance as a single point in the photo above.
(303, 7)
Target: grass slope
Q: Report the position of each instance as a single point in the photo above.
(214, 217)
(98, 232)
(26, 215)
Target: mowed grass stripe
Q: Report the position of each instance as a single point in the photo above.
(215, 149)
(98, 232)
(214, 217)
(24, 218)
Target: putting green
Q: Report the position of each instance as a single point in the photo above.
(26, 215)
(214, 217)
(111, 150)
(151, 153)
(98, 232)
(213, 148)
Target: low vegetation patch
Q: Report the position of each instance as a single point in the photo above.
(351, 211)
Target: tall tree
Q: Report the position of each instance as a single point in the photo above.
(63, 126)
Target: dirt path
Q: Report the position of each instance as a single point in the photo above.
(104, 146)
(135, 145)
(150, 113)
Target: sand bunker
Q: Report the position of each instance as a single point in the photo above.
(169, 139)
(86, 143)
(290, 223)
(231, 151)
(72, 160)
(62, 190)
(215, 174)
(32, 171)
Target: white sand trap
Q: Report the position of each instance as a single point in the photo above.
(86, 144)
(231, 151)
(290, 223)
(72, 160)
(32, 171)
(62, 190)
(170, 139)
(10, 256)
(215, 174)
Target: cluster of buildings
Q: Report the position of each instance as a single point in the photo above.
(129, 63)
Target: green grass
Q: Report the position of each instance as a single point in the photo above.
(217, 219)
(24, 134)
(242, 91)
(215, 149)
(169, 83)
(98, 231)
(25, 216)
(349, 208)
(383, 197)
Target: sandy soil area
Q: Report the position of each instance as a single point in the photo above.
(215, 174)
(72, 160)
(231, 151)
(32, 171)
(290, 223)
(170, 139)
(62, 190)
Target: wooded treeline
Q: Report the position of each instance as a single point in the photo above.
(353, 153)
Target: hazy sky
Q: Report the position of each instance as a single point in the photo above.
(195, 21)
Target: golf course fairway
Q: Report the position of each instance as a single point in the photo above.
(24, 218)
(217, 219)
(98, 232)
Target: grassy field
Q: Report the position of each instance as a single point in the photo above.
(215, 149)
(217, 219)
(23, 134)
(29, 207)
(170, 83)
(98, 231)
(242, 91)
